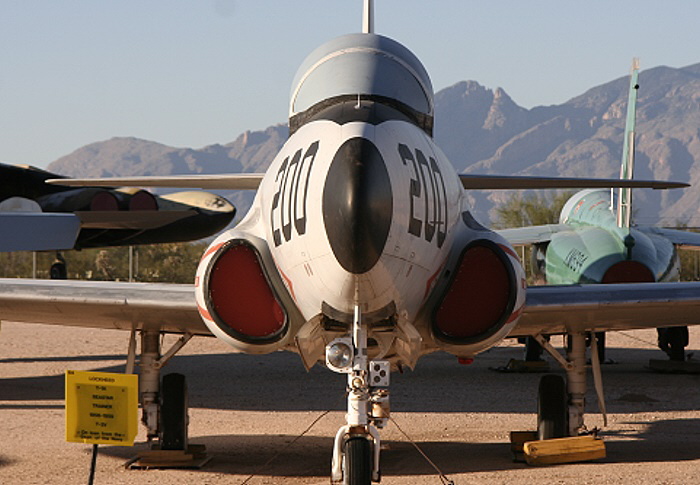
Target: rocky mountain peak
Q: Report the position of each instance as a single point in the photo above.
(485, 131)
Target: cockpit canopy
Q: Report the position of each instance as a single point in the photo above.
(364, 65)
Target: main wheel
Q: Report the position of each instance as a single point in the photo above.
(677, 341)
(552, 408)
(173, 413)
(358, 463)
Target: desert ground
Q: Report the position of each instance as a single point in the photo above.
(251, 412)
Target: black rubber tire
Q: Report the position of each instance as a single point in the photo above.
(552, 408)
(173, 413)
(677, 341)
(358, 462)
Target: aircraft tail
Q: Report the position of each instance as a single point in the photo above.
(624, 200)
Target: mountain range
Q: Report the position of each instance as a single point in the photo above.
(485, 131)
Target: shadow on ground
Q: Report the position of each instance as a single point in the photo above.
(310, 456)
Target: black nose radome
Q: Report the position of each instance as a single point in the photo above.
(357, 205)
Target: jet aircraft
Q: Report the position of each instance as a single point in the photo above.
(360, 252)
(57, 217)
(595, 241)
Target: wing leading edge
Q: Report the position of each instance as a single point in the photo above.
(532, 234)
(684, 239)
(517, 182)
(100, 304)
(239, 181)
(600, 307)
(251, 181)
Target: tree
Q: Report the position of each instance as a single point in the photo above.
(530, 210)
(168, 263)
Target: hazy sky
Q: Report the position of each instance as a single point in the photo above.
(194, 73)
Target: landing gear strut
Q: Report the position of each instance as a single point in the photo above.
(164, 408)
(561, 408)
(357, 444)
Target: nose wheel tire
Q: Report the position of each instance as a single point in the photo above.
(358, 462)
(552, 408)
(173, 413)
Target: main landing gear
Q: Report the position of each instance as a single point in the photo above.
(561, 405)
(164, 405)
(356, 446)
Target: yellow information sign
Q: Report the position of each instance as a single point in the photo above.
(101, 408)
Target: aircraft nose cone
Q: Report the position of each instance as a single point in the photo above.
(357, 205)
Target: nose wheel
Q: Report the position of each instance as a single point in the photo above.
(357, 461)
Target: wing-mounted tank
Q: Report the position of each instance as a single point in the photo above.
(361, 67)
(480, 294)
(241, 296)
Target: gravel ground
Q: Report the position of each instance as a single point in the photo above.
(250, 411)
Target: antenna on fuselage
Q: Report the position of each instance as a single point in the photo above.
(624, 202)
(368, 17)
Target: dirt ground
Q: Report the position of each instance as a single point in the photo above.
(249, 411)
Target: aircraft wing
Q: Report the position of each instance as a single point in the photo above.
(100, 304)
(555, 309)
(251, 181)
(30, 231)
(532, 234)
(513, 182)
(685, 239)
(130, 219)
(239, 181)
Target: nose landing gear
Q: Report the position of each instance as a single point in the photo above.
(357, 444)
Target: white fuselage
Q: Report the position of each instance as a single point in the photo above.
(408, 262)
(331, 249)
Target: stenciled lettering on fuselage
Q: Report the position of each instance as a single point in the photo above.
(288, 212)
(428, 184)
(575, 259)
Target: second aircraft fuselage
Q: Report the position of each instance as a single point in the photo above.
(596, 250)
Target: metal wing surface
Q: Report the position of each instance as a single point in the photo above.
(516, 182)
(101, 304)
(532, 234)
(240, 181)
(28, 231)
(684, 239)
(572, 308)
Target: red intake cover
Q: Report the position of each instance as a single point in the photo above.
(240, 297)
(628, 272)
(480, 297)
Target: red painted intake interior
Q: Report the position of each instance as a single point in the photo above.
(628, 272)
(241, 296)
(478, 296)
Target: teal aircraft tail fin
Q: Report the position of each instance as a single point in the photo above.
(624, 200)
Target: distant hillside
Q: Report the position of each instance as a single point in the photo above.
(485, 131)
